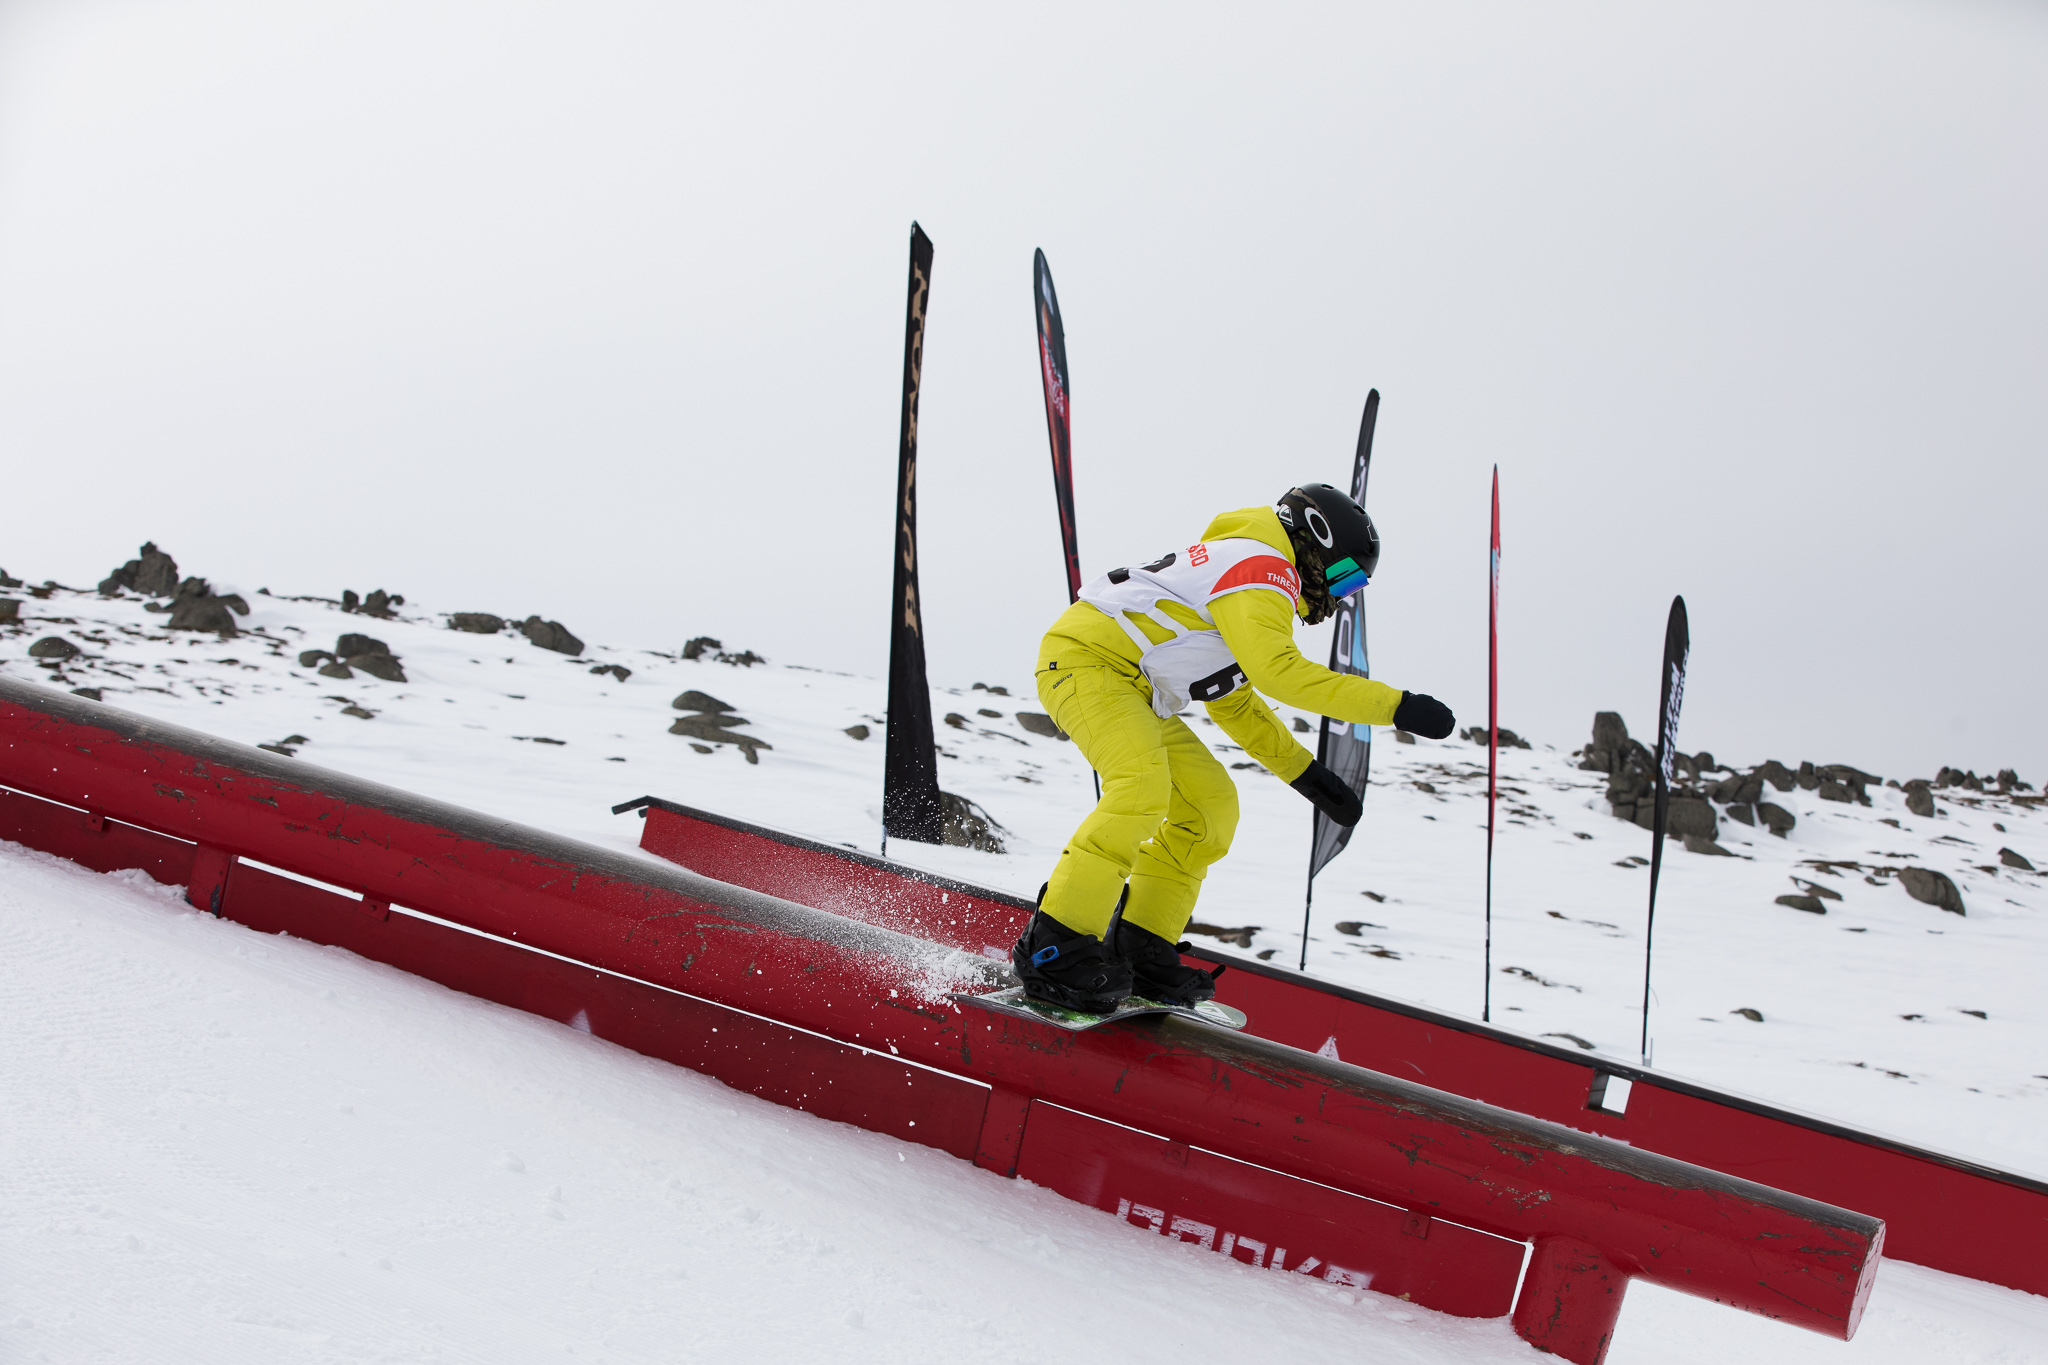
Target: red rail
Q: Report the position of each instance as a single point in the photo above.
(1260, 1151)
(1938, 1210)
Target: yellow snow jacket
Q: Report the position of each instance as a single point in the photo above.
(1258, 630)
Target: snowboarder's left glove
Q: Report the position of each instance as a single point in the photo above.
(1330, 794)
(1420, 714)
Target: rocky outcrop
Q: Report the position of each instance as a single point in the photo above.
(712, 721)
(153, 574)
(352, 654)
(2008, 858)
(1508, 738)
(967, 825)
(1776, 818)
(697, 647)
(196, 607)
(550, 635)
(1932, 888)
(1920, 797)
(379, 604)
(476, 622)
(619, 671)
(1039, 723)
(55, 648)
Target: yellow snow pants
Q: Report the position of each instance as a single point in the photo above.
(1168, 807)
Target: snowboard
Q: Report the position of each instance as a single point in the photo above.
(1014, 1001)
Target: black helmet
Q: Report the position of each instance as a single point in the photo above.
(1336, 533)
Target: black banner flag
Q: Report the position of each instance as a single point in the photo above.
(1059, 414)
(1677, 646)
(1344, 748)
(910, 766)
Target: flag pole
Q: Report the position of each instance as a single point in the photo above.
(1492, 740)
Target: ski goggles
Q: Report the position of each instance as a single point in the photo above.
(1345, 577)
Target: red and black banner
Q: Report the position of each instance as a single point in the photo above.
(910, 766)
(1059, 414)
(1677, 648)
(1347, 749)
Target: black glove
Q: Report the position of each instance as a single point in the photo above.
(1420, 714)
(1330, 794)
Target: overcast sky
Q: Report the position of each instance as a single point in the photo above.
(595, 310)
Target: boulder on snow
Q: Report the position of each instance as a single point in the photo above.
(1301, 727)
(1777, 774)
(857, 731)
(693, 700)
(378, 603)
(1695, 844)
(717, 728)
(1039, 723)
(1810, 904)
(53, 647)
(1932, 888)
(476, 622)
(1742, 813)
(153, 574)
(1477, 735)
(196, 607)
(1776, 818)
(695, 648)
(967, 825)
(10, 611)
(550, 635)
(619, 671)
(371, 655)
(1610, 743)
(1692, 817)
(2011, 859)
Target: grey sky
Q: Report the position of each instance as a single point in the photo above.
(595, 310)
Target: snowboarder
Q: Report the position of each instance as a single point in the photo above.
(1209, 623)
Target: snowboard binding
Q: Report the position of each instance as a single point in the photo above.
(1069, 968)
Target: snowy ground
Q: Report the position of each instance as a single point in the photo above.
(215, 1156)
(224, 1147)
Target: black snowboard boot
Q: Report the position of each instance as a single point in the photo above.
(1156, 970)
(1069, 968)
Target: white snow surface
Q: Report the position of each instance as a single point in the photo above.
(226, 1146)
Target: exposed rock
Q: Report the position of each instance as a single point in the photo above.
(1835, 791)
(1778, 775)
(10, 611)
(197, 608)
(1920, 797)
(1810, 904)
(1695, 844)
(717, 729)
(1851, 777)
(550, 635)
(2012, 859)
(746, 658)
(313, 658)
(1301, 727)
(1807, 778)
(956, 720)
(358, 712)
(1039, 723)
(1816, 889)
(1345, 926)
(1931, 888)
(1739, 788)
(700, 748)
(1403, 737)
(1742, 813)
(89, 693)
(619, 671)
(992, 691)
(378, 666)
(1776, 818)
(53, 647)
(476, 622)
(693, 700)
(1242, 936)
(1703, 762)
(7, 580)
(2008, 781)
(968, 825)
(154, 574)
(336, 669)
(858, 731)
(695, 649)
(1508, 738)
(1610, 743)
(1692, 817)
(1754, 1016)
(378, 603)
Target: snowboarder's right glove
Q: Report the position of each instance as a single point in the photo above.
(1330, 794)
(1420, 714)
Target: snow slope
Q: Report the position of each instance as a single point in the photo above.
(224, 1146)
(221, 1146)
(1866, 1010)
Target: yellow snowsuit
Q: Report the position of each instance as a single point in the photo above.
(1168, 807)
